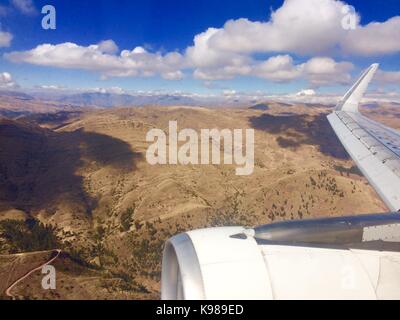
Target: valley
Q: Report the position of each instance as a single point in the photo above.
(80, 177)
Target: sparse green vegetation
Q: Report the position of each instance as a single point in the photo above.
(28, 236)
(233, 215)
(353, 170)
(114, 213)
(126, 218)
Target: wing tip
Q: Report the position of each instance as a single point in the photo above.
(353, 97)
(374, 67)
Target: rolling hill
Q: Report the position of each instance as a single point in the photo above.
(111, 211)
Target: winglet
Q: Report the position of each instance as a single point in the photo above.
(352, 98)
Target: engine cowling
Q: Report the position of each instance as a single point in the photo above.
(209, 264)
(214, 264)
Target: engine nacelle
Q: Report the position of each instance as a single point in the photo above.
(215, 264)
(209, 264)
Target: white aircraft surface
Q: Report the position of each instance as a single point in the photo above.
(355, 257)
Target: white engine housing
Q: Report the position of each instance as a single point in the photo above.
(208, 264)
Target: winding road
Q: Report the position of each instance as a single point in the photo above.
(16, 282)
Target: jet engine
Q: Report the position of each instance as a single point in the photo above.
(336, 258)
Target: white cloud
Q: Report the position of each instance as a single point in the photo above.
(390, 96)
(300, 28)
(237, 68)
(305, 27)
(101, 58)
(173, 75)
(51, 87)
(108, 46)
(388, 77)
(112, 90)
(281, 68)
(306, 92)
(5, 39)
(25, 6)
(322, 70)
(229, 93)
(313, 97)
(228, 96)
(316, 98)
(6, 81)
(374, 39)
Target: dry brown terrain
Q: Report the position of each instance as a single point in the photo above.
(112, 211)
(387, 113)
(13, 104)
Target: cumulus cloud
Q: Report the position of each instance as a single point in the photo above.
(306, 92)
(323, 70)
(314, 97)
(305, 27)
(299, 28)
(388, 77)
(6, 81)
(173, 75)
(138, 62)
(373, 39)
(227, 71)
(25, 6)
(278, 68)
(281, 68)
(302, 27)
(111, 90)
(389, 96)
(108, 46)
(229, 93)
(100, 57)
(51, 87)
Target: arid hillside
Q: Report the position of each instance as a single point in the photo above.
(111, 211)
(17, 104)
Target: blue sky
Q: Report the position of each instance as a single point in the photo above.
(165, 28)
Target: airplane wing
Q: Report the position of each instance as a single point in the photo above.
(354, 257)
(374, 147)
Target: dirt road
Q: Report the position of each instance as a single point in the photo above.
(16, 282)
